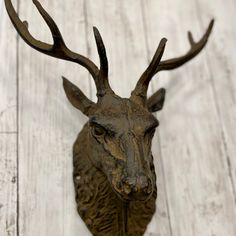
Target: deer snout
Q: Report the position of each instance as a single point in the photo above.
(137, 188)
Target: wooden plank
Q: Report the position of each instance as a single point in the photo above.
(200, 196)
(121, 25)
(8, 185)
(8, 73)
(49, 124)
(8, 126)
(221, 63)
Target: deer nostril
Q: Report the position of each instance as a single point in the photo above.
(148, 189)
(127, 189)
(140, 184)
(144, 183)
(130, 181)
(128, 185)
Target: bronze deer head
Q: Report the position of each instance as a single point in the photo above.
(114, 176)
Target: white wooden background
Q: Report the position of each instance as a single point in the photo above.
(195, 145)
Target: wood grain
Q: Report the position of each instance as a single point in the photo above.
(200, 197)
(8, 185)
(49, 125)
(8, 72)
(8, 126)
(221, 65)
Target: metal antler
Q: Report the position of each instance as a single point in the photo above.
(155, 66)
(59, 48)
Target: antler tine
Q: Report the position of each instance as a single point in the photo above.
(102, 52)
(58, 49)
(140, 91)
(22, 29)
(56, 34)
(142, 85)
(104, 86)
(196, 48)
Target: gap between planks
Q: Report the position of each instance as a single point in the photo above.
(158, 134)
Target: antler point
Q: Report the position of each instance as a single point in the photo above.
(96, 32)
(164, 40)
(65, 81)
(190, 38)
(95, 28)
(162, 90)
(211, 23)
(26, 23)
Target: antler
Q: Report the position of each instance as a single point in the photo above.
(140, 90)
(142, 85)
(59, 48)
(196, 47)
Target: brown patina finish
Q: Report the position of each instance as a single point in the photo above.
(114, 175)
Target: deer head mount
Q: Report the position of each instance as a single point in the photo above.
(114, 176)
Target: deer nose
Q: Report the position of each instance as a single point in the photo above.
(137, 187)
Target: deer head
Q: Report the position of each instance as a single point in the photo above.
(123, 127)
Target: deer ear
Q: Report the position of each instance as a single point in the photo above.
(156, 101)
(77, 97)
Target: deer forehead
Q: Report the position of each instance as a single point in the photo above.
(123, 115)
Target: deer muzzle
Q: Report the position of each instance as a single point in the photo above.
(137, 188)
(135, 182)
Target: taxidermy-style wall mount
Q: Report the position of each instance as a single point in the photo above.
(114, 175)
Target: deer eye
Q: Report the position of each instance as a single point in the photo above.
(98, 130)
